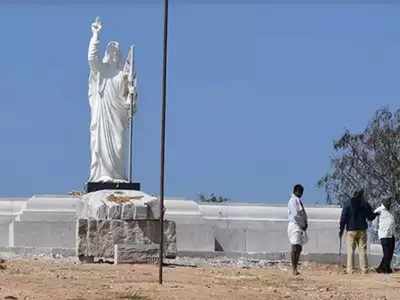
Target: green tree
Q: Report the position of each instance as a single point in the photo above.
(212, 198)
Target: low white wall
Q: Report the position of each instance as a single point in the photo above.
(9, 210)
(4, 237)
(193, 232)
(39, 221)
(263, 229)
(49, 221)
(44, 234)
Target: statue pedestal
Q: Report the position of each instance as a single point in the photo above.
(122, 226)
(123, 241)
(98, 186)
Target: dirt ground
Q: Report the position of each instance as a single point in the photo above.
(42, 278)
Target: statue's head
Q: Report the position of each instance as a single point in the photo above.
(113, 54)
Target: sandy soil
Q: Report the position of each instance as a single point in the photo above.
(42, 278)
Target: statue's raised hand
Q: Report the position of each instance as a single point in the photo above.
(96, 26)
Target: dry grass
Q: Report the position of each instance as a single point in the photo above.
(45, 279)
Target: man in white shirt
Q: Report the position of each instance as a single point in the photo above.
(297, 226)
(386, 235)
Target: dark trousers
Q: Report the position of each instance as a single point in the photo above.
(388, 249)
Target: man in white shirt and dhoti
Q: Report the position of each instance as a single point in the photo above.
(297, 226)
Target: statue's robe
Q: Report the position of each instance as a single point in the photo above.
(109, 109)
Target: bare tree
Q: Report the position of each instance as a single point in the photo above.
(368, 160)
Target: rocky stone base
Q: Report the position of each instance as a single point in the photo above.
(128, 253)
(119, 205)
(123, 240)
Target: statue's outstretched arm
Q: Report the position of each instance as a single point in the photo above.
(94, 46)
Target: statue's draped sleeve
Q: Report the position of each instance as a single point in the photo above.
(94, 65)
(93, 54)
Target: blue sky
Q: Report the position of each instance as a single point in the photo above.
(256, 92)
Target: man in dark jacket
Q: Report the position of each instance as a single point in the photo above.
(355, 214)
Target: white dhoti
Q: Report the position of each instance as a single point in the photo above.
(296, 235)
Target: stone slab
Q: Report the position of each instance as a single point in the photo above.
(82, 238)
(142, 211)
(105, 244)
(114, 211)
(97, 238)
(127, 212)
(136, 253)
(92, 240)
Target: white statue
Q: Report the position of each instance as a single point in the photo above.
(111, 89)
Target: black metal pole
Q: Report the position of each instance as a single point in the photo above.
(162, 161)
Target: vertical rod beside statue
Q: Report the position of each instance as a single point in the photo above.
(133, 99)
